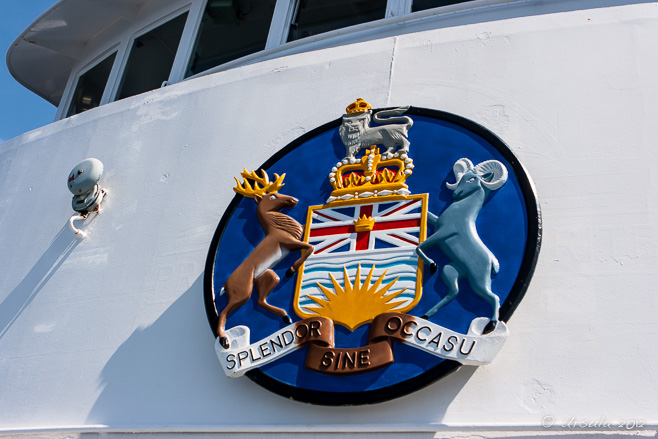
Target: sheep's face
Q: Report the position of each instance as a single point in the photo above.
(468, 183)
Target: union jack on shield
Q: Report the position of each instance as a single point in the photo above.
(365, 233)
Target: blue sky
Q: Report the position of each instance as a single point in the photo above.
(20, 110)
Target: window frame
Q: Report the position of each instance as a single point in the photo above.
(175, 67)
(397, 12)
(392, 7)
(187, 41)
(73, 81)
(279, 18)
(398, 8)
(277, 38)
(284, 10)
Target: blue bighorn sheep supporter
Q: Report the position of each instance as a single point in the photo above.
(457, 237)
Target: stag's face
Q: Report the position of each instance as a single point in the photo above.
(275, 202)
(468, 183)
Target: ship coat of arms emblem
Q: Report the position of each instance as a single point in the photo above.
(388, 259)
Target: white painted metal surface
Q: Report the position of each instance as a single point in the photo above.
(108, 335)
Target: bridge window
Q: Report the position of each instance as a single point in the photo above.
(421, 5)
(151, 58)
(91, 85)
(230, 29)
(221, 31)
(314, 17)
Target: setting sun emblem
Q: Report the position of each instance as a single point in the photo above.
(356, 304)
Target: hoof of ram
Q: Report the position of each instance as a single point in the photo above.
(490, 327)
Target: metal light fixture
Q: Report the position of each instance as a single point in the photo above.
(87, 193)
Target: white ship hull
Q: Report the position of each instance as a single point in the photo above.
(108, 336)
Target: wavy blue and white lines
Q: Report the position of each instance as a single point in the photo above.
(397, 263)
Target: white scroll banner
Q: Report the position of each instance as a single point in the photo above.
(472, 348)
(242, 356)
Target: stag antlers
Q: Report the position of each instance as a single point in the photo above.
(261, 185)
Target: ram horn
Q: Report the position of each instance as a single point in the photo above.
(494, 174)
(460, 167)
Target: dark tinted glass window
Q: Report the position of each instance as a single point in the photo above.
(151, 58)
(314, 17)
(90, 88)
(421, 5)
(230, 29)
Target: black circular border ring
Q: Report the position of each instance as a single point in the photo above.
(444, 368)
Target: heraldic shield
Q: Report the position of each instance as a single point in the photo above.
(365, 260)
(383, 250)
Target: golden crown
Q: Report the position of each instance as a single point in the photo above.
(364, 224)
(370, 176)
(358, 106)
